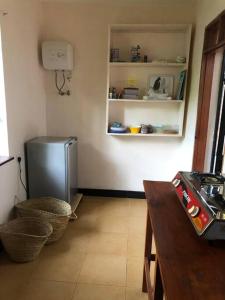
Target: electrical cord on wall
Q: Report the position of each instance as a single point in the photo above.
(56, 82)
(60, 89)
(20, 173)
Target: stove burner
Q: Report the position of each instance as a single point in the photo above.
(212, 190)
(207, 178)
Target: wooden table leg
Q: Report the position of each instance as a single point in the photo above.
(158, 287)
(147, 256)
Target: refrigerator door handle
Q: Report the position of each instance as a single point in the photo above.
(71, 165)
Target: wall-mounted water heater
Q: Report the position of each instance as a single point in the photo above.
(58, 56)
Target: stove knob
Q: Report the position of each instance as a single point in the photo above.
(176, 182)
(194, 211)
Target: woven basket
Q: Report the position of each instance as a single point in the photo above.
(56, 212)
(23, 238)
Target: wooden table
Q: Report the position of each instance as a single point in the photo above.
(187, 267)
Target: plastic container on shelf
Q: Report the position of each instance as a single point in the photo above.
(158, 128)
(135, 129)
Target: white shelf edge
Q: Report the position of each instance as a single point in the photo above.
(145, 101)
(159, 28)
(146, 135)
(143, 64)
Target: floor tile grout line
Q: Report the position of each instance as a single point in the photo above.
(74, 291)
(53, 280)
(79, 273)
(77, 282)
(101, 284)
(126, 267)
(128, 231)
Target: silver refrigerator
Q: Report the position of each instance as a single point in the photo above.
(51, 167)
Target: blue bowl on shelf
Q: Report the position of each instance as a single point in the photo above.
(117, 129)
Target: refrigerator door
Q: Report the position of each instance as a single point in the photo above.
(51, 164)
(46, 169)
(71, 168)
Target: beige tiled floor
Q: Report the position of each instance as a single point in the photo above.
(100, 257)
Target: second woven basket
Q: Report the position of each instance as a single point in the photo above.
(23, 238)
(56, 212)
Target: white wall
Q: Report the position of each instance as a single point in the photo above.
(25, 95)
(108, 162)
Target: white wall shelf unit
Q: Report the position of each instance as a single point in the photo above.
(162, 44)
(144, 135)
(145, 101)
(146, 65)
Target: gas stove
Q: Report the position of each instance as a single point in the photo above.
(202, 196)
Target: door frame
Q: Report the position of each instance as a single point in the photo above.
(214, 39)
(203, 111)
(218, 145)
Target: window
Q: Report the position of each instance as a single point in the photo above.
(4, 148)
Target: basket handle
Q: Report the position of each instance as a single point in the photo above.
(73, 216)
